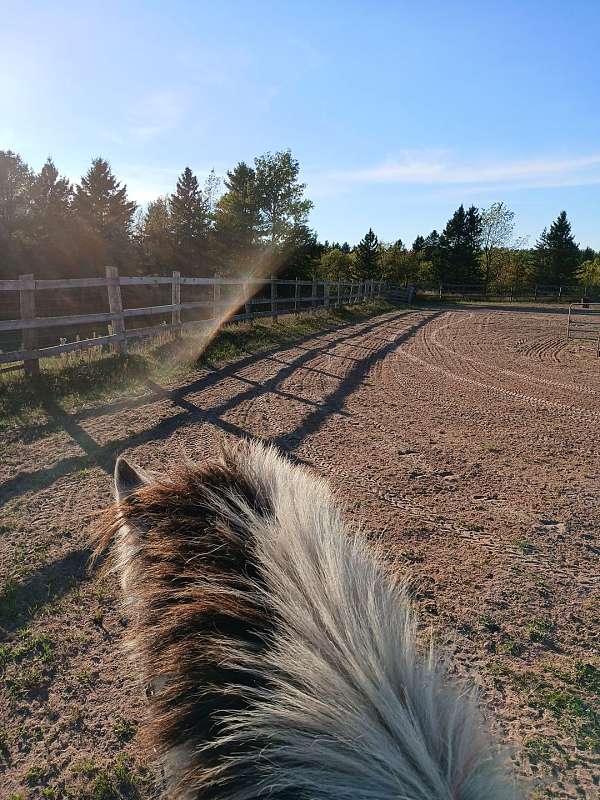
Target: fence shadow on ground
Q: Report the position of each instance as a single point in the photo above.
(104, 455)
(57, 578)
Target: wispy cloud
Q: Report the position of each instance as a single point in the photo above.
(431, 168)
(157, 113)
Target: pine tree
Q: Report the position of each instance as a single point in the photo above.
(156, 238)
(105, 217)
(367, 257)
(418, 244)
(51, 195)
(460, 245)
(52, 222)
(557, 254)
(237, 220)
(190, 224)
(16, 179)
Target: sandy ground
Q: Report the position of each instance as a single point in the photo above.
(467, 437)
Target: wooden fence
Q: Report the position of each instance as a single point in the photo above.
(243, 293)
(536, 293)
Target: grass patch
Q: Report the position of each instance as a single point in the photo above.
(26, 663)
(489, 624)
(524, 546)
(35, 776)
(573, 714)
(510, 647)
(23, 401)
(541, 631)
(570, 705)
(119, 780)
(539, 748)
(124, 729)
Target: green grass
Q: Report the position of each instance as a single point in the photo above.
(541, 631)
(539, 748)
(25, 664)
(124, 729)
(524, 546)
(118, 780)
(489, 624)
(85, 379)
(573, 703)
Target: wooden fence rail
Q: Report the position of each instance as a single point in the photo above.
(325, 294)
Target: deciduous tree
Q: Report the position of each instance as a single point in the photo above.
(280, 198)
(497, 227)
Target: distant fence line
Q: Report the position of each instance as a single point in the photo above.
(558, 294)
(323, 294)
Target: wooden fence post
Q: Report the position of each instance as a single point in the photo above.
(339, 293)
(115, 305)
(216, 298)
(247, 304)
(296, 294)
(176, 300)
(274, 298)
(326, 294)
(29, 337)
(313, 301)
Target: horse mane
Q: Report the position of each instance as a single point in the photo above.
(280, 648)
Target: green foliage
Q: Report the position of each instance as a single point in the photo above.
(497, 225)
(335, 264)
(118, 780)
(557, 254)
(540, 631)
(588, 274)
(279, 197)
(237, 220)
(104, 216)
(399, 265)
(367, 257)
(460, 246)
(156, 240)
(189, 222)
(259, 224)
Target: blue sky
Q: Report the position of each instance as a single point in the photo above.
(397, 111)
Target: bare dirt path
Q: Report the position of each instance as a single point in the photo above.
(466, 437)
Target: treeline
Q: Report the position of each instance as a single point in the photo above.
(476, 248)
(255, 219)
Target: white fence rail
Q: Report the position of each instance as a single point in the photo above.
(244, 293)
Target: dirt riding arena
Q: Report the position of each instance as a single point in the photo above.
(466, 437)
